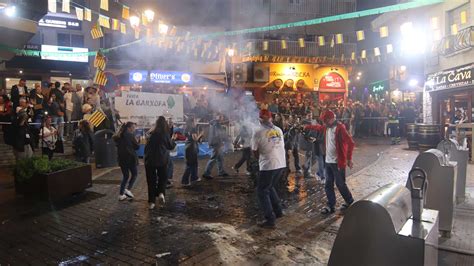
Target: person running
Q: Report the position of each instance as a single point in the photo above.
(243, 139)
(127, 145)
(217, 137)
(191, 151)
(338, 154)
(268, 146)
(157, 156)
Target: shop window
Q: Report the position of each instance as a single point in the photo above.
(459, 16)
(70, 40)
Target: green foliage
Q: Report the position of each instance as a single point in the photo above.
(26, 169)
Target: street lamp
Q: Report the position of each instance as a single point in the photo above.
(163, 28)
(230, 52)
(10, 11)
(150, 15)
(413, 82)
(134, 21)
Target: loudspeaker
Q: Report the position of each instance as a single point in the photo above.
(240, 72)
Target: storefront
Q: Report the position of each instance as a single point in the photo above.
(451, 90)
(331, 82)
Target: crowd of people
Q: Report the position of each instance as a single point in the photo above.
(45, 115)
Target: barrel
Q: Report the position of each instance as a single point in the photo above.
(428, 136)
(411, 137)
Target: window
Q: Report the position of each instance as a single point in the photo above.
(70, 40)
(458, 18)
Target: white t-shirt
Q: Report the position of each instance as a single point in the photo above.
(49, 139)
(68, 100)
(331, 153)
(269, 143)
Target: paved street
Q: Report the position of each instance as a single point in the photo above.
(210, 223)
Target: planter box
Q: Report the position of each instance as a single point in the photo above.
(57, 185)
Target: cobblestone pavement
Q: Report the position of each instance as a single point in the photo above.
(210, 223)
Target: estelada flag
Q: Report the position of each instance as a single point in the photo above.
(100, 78)
(100, 61)
(97, 118)
(96, 31)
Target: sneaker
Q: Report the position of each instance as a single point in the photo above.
(161, 198)
(299, 171)
(235, 169)
(267, 225)
(197, 180)
(169, 184)
(151, 206)
(129, 194)
(326, 210)
(345, 206)
(122, 197)
(208, 177)
(186, 184)
(224, 175)
(248, 173)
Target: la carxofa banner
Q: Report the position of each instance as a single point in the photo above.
(144, 108)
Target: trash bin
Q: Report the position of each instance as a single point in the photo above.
(105, 149)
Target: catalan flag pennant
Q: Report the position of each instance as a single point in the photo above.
(265, 45)
(87, 14)
(104, 4)
(100, 78)
(115, 24)
(283, 44)
(377, 51)
(66, 6)
(389, 48)
(339, 38)
(321, 40)
(104, 21)
(80, 13)
(360, 34)
(52, 5)
(96, 31)
(125, 12)
(123, 28)
(301, 42)
(363, 54)
(353, 56)
(332, 41)
(383, 32)
(100, 61)
(97, 118)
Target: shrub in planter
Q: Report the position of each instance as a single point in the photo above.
(55, 179)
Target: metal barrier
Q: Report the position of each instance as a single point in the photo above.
(454, 152)
(441, 193)
(380, 230)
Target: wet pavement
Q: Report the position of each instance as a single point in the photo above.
(212, 222)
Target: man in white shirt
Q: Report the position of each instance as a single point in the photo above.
(69, 108)
(269, 147)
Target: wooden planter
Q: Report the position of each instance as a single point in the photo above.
(57, 185)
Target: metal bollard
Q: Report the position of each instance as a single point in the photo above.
(418, 190)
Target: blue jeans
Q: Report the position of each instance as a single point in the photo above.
(59, 122)
(267, 195)
(126, 170)
(170, 169)
(191, 171)
(321, 169)
(308, 163)
(217, 156)
(334, 174)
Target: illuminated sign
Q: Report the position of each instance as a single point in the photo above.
(137, 76)
(299, 74)
(451, 78)
(170, 77)
(60, 22)
(332, 81)
(82, 58)
(379, 86)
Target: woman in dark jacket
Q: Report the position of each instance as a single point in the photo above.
(83, 143)
(191, 152)
(157, 156)
(127, 145)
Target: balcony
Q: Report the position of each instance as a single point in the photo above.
(311, 49)
(453, 44)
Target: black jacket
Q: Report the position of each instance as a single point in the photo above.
(157, 150)
(126, 149)
(83, 144)
(15, 96)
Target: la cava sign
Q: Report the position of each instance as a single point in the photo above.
(451, 78)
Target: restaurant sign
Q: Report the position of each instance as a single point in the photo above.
(451, 78)
(332, 82)
(379, 86)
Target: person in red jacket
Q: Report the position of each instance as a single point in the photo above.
(337, 149)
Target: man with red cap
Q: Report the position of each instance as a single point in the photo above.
(337, 148)
(269, 147)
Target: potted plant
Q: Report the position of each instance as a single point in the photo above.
(54, 180)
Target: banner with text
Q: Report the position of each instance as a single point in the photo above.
(144, 108)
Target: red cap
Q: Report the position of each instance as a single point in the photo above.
(327, 115)
(265, 113)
